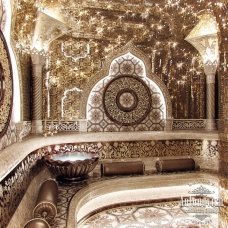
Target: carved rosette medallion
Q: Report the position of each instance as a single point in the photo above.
(6, 86)
(127, 100)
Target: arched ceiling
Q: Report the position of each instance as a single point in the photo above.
(79, 35)
(148, 22)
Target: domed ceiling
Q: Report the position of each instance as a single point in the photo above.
(78, 36)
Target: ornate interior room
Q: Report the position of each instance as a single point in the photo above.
(114, 113)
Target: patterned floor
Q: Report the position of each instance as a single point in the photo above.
(159, 215)
(66, 192)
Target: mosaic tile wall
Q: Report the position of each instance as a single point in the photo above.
(98, 118)
(14, 186)
(15, 133)
(6, 86)
(10, 137)
(223, 166)
(205, 152)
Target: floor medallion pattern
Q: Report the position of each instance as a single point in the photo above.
(153, 213)
(159, 215)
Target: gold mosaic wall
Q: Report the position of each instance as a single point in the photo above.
(157, 27)
(172, 65)
(26, 77)
(222, 19)
(6, 86)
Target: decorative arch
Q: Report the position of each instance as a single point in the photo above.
(118, 66)
(17, 114)
(6, 86)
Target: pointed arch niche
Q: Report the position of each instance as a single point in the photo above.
(126, 96)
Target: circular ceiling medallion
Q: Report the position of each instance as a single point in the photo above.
(6, 86)
(127, 100)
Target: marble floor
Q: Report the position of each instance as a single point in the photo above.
(153, 213)
(163, 215)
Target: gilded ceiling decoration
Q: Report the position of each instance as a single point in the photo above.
(6, 86)
(86, 32)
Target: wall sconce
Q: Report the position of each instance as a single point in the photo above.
(204, 37)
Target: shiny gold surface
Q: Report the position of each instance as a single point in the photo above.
(156, 27)
(6, 86)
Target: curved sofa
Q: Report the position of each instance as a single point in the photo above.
(17, 161)
(101, 194)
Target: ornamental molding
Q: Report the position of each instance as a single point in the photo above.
(6, 101)
(128, 48)
(127, 100)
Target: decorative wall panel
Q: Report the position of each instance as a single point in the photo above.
(10, 137)
(15, 133)
(3, 16)
(13, 187)
(156, 27)
(6, 86)
(26, 85)
(126, 100)
(205, 152)
(191, 124)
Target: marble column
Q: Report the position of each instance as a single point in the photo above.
(210, 96)
(37, 69)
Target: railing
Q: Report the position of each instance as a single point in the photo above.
(52, 127)
(188, 124)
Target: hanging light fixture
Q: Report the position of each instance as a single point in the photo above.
(204, 37)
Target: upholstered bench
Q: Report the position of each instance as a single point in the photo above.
(172, 165)
(46, 201)
(37, 223)
(122, 168)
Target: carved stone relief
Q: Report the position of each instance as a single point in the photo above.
(126, 100)
(6, 86)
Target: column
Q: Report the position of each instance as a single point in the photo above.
(210, 96)
(37, 68)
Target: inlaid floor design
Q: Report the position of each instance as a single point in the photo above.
(66, 192)
(159, 215)
(169, 213)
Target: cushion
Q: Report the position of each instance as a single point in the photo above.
(122, 168)
(172, 165)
